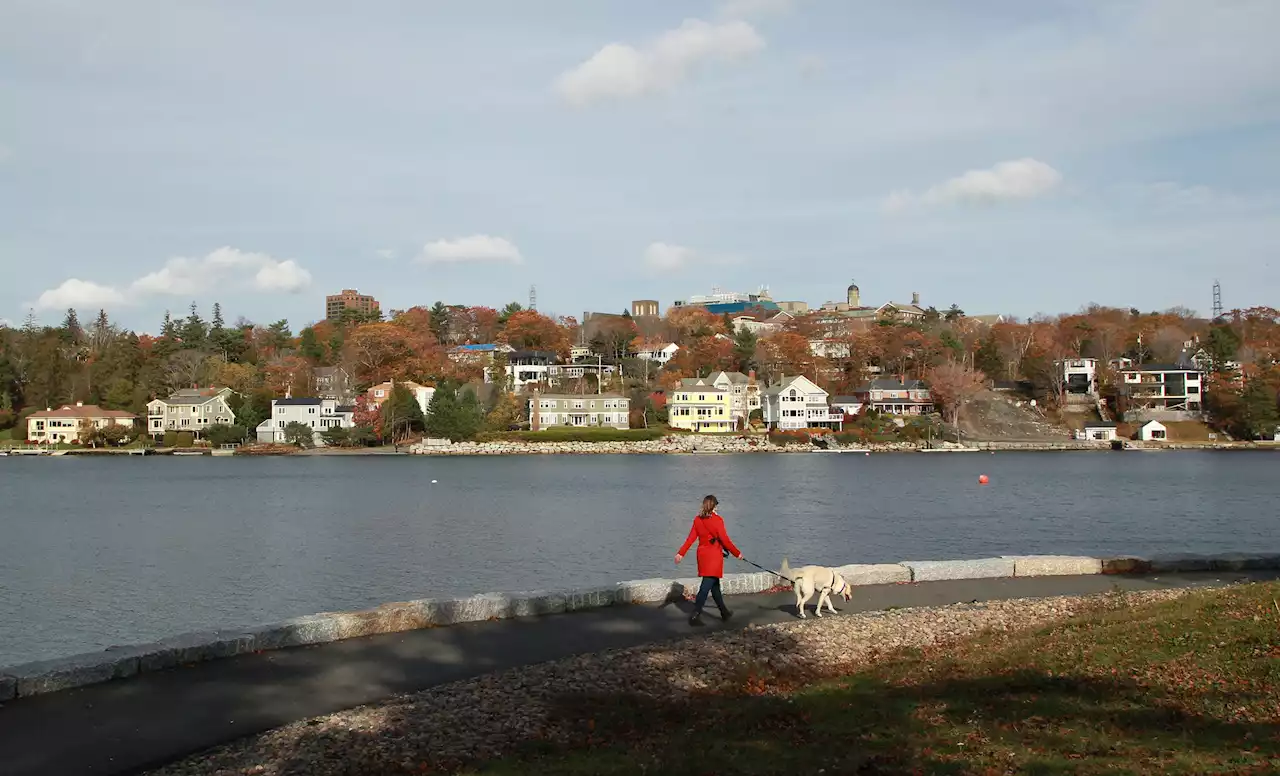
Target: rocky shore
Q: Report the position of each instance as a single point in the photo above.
(447, 727)
(674, 444)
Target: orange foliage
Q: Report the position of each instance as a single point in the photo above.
(531, 330)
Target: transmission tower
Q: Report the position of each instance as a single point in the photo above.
(1217, 300)
(533, 297)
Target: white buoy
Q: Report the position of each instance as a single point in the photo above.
(433, 482)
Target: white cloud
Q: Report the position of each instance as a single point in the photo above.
(475, 248)
(79, 294)
(1019, 179)
(622, 70)
(664, 256)
(189, 277)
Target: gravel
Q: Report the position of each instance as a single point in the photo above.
(446, 727)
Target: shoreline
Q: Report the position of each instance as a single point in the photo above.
(126, 661)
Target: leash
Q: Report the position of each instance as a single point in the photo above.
(762, 568)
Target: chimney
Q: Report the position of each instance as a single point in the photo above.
(533, 411)
(915, 298)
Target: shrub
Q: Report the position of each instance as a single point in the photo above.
(183, 438)
(788, 438)
(7, 419)
(222, 434)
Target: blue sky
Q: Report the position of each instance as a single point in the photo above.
(1002, 155)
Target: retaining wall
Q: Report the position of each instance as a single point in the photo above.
(121, 662)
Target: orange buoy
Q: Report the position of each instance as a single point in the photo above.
(982, 479)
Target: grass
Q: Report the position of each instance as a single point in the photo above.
(1188, 686)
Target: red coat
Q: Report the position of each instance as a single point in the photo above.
(710, 533)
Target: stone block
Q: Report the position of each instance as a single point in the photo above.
(193, 648)
(875, 573)
(1241, 562)
(535, 603)
(1126, 565)
(45, 676)
(1168, 564)
(8, 688)
(742, 584)
(591, 598)
(942, 570)
(296, 632)
(638, 591)
(1054, 565)
(476, 608)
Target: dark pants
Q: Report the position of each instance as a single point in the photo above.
(709, 585)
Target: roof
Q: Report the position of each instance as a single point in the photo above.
(990, 320)
(1152, 422)
(735, 378)
(1162, 368)
(83, 411)
(476, 348)
(291, 402)
(845, 400)
(883, 384)
(576, 396)
(786, 382)
(1099, 424)
(345, 408)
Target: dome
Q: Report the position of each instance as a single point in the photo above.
(853, 287)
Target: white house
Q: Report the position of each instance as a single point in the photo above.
(848, 405)
(1079, 375)
(796, 403)
(1153, 431)
(318, 414)
(190, 409)
(1098, 431)
(661, 352)
(382, 391)
(1163, 392)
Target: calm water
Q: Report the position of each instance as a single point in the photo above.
(95, 552)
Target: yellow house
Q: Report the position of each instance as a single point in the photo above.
(702, 408)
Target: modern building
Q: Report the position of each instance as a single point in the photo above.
(798, 403)
(894, 397)
(379, 393)
(528, 368)
(1079, 375)
(720, 302)
(645, 308)
(333, 382)
(1162, 392)
(349, 299)
(700, 406)
(190, 409)
(557, 409)
(319, 415)
(67, 423)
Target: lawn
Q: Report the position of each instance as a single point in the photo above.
(1188, 686)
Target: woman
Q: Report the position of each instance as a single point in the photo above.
(708, 529)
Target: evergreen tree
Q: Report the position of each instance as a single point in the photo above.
(744, 349)
(309, 346)
(169, 329)
(400, 413)
(470, 415)
(1257, 417)
(440, 321)
(511, 309)
(217, 323)
(988, 359)
(194, 331)
(71, 326)
(442, 413)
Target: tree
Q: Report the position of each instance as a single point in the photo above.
(988, 359)
(299, 434)
(379, 352)
(440, 321)
(71, 325)
(453, 415)
(953, 314)
(953, 386)
(531, 330)
(115, 434)
(1222, 347)
(309, 346)
(744, 349)
(511, 309)
(336, 436)
(224, 434)
(506, 413)
(401, 412)
(194, 332)
(1257, 415)
(470, 415)
(785, 353)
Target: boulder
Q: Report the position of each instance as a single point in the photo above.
(639, 591)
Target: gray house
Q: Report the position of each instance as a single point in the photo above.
(609, 409)
(333, 382)
(190, 409)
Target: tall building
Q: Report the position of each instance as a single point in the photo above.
(349, 299)
(645, 307)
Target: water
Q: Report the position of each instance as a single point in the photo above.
(102, 551)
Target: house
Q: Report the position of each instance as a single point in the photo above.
(1079, 375)
(1097, 431)
(744, 392)
(1153, 431)
(987, 320)
(846, 405)
(1163, 392)
(478, 354)
(660, 352)
(318, 414)
(190, 409)
(529, 366)
(557, 409)
(901, 311)
(700, 406)
(66, 423)
(379, 393)
(894, 397)
(796, 403)
(333, 382)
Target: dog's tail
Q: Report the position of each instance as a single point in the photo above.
(785, 570)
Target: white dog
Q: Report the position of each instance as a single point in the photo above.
(823, 580)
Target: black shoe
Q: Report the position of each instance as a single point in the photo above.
(726, 615)
(696, 620)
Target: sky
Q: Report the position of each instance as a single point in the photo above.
(1005, 156)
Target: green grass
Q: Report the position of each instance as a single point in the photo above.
(575, 434)
(1184, 687)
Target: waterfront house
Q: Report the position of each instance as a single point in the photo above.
(895, 397)
(529, 368)
(699, 405)
(1097, 431)
(1153, 431)
(333, 382)
(850, 406)
(659, 352)
(796, 403)
(584, 410)
(379, 393)
(317, 414)
(190, 409)
(66, 423)
(1162, 392)
(1079, 375)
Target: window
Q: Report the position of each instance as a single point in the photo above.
(379, 393)
(578, 404)
(280, 423)
(311, 410)
(279, 410)
(186, 422)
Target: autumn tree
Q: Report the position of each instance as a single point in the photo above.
(785, 353)
(531, 330)
(953, 386)
(379, 352)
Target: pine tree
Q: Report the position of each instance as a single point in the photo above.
(217, 319)
(194, 331)
(71, 326)
(440, 321)
(169, 329)
(309, 346)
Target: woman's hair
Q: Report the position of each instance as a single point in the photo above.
(715, 502)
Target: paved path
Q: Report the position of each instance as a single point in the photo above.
(126, 727)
